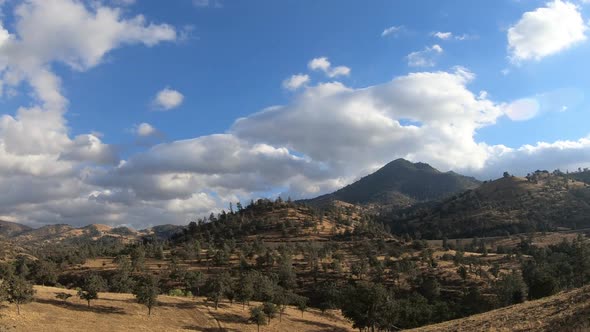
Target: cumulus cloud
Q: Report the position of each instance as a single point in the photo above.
(392, 31)
(42, 164)
(296, 81)
(325, 137)
(145, 130)
(546, 31)
(168, 99)
(426, 57)
(324, 65)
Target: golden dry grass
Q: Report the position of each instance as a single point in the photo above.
(119, 312)
(566, 311)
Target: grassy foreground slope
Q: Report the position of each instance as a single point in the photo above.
(566, 311)
(120, 312)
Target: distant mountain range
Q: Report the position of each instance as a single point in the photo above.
(412, 198)
(400, 184)
(24, 235)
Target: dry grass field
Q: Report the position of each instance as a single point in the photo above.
(119, 312)
(566, 311)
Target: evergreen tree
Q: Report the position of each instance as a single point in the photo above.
(19, 291)
(90, 288)
(146, 292)
(257, 316)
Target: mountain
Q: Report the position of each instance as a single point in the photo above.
(399, 184)
(10, 229)
(542, 201)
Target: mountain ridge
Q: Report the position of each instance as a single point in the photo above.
(398, 184)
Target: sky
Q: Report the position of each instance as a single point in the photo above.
(146, 112)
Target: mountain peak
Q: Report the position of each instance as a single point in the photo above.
(401, 183)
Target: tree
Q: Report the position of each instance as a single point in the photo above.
(430, 288)
(257, 316)
(301, 303)
(270, 310)
(245, 290)
(90, 288)
(45, 272)
(361, 304)
(193, 281)
(216, 286)
(138, 258)
(19, 291)
(146, 292)
(510, 289)
(328, 296)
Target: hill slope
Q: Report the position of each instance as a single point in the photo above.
(507, 205)
(400, 184)
(9, 229)
(567, 311)
(120, 312)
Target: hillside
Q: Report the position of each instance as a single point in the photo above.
(10, 229)
(400, 184)
(566, 311)
(541, 202)
(120, 312)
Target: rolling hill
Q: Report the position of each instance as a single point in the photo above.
(566, 311)
(10, 229)
(400, 184)
(541, 202)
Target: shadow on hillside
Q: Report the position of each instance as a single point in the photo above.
(101, 309)
(321, 326)
(228, 318)
(208, 329)
(181, 305)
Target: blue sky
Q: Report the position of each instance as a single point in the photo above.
(475, 86)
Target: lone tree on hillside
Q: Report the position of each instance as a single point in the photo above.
(89, 290)
(270, 310)
(301, 303)
(257, 316)
(146, 292)
(18, 291)
(216, 287)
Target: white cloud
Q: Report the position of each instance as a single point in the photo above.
(392, 31)
(146, 130)
(443, 35)
(323, 64)
(168, 99)
(450, 36)
(348, 130)
(546, 31)
(296, 81)
(426, 57)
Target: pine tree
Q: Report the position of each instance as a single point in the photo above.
(146, 292)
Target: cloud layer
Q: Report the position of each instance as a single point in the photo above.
(325, 136)
(546, 31)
